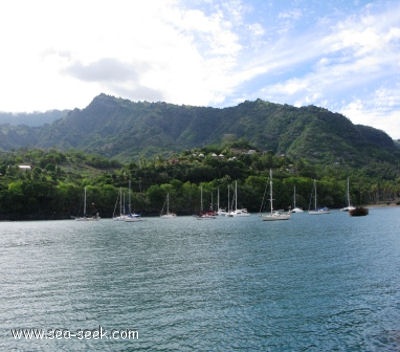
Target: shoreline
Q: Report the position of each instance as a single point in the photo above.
(394, 203)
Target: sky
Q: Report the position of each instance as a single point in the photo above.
(340, 55)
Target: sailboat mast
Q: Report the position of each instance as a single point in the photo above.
(167, 203)
(84, 203)
(236, 205)
(201, 198)
(270, 190)
(348, 192)
(315, 191)
(120, 202)
(229, 200)
(129, 197)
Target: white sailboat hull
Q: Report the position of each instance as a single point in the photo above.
(349, 208)
(239, 212)
(206, 217)
(168, 216)
(95, 218)
(275, 217)
(133, 219)
(318, 212)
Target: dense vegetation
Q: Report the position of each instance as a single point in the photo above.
(31, 119)
(125, 130)
(53, 187)
(164, 148)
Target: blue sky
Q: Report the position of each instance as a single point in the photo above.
(340, 55)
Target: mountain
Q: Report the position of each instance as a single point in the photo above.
(21, 129)
(31, 119)
(123, 129)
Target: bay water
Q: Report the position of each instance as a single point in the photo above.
(312, 283)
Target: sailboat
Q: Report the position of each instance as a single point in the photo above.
(220, 211)
(349, 206)
(237, 211)
(317, 211)
(204, 215)
(358, 211)
(121, 215)
(295, 208)
(85, 217)
(167, 214)
(274, 215)
(131, 216)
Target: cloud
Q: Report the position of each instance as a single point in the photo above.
(123, 79)
(380, 111)
(77, 49)
(184, 56)
(139, 92)
(212, 52)
(345, 66)
(104, 70)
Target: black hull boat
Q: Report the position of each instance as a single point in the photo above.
(358, 211)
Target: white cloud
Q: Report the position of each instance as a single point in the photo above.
(60, 54)
(339, 66)
(378, 112)
(66, 52)
(291, 14)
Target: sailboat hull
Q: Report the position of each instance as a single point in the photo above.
(239, 212)
(94, 218)
(275, 217)
(318, 212)
(168, 216)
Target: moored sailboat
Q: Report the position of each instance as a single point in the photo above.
(317, 211)
(204, 215)
(94, 217)
(221, 211)
(273, 215)
(131, 216)
(295, 208)
(120, 200)
(359, 211)
(349, 207)
(238, 211)
(167, 214)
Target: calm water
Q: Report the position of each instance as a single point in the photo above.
(314, 283)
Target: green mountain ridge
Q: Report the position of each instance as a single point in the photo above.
(31, 119)
(126, 130)
(163, 148)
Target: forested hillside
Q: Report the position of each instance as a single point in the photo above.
(163, 148)
(31, 119)
(38, 184)
(128, 130)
